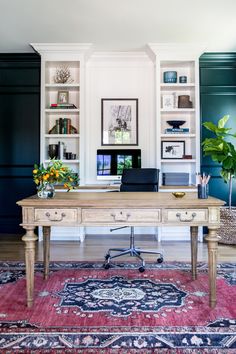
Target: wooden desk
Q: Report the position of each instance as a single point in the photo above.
(118, 209)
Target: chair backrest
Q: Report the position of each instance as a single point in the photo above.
(140, 180)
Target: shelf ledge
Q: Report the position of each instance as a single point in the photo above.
(178, 160)
(62, 135)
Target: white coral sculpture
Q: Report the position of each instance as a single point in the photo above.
(63, 75)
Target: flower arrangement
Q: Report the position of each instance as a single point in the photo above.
(54, 173)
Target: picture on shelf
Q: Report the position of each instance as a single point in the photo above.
(63, 97)
(168, 101)
(172, 149)
(119, 121)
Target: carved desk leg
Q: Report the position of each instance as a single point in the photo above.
(212, 263)
(46, 249)
(29, 238)
(194, 240)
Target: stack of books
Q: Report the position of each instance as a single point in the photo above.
(63, 126)
(62, 106)
(176, 130)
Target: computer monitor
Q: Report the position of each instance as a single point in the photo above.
(111, 162)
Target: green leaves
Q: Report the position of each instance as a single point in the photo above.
(221, 150)
(219, 129)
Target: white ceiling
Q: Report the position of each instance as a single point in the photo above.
(119, 25)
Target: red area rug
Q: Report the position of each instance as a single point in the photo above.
(83, 308)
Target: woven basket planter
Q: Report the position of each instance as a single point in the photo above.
(227, 231)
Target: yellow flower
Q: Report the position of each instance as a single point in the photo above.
(35, 171)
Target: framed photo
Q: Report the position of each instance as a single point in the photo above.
(172, 149)
(63, 97)
(168, 102)
(119, 121)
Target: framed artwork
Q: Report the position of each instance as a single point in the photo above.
(168, 101)
(119, 121)
(63, 97)
(172, 149)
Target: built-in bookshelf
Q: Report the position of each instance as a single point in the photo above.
(177, 109)
(62, 103)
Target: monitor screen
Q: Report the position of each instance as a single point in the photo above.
(111, 162)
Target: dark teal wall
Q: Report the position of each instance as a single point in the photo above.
(19, 133)
(217, 98)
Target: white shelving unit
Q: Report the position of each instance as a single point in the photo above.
(54, 57)
(184, 60)
(72, 56)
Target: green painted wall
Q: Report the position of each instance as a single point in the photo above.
(19, 133)
(217, 98)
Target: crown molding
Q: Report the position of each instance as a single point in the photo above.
(58, 48)
(171, 51)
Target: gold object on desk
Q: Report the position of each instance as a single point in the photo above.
(119, 209)
(178, 194)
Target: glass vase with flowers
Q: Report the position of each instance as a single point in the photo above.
(55, 172)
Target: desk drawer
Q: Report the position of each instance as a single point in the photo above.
(57, 216)
(141, 216)
(184, 216)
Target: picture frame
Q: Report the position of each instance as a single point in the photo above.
(172, 149)
(119, 121)
(168, 101)
(63, 97)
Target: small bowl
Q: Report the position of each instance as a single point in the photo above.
(178, 194)
(176, 123)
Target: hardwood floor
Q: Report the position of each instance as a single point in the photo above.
(95, 247)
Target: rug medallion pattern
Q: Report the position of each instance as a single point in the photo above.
(120, 296)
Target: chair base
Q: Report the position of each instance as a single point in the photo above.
(133, 252)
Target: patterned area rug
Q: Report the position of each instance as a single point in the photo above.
(83, 308)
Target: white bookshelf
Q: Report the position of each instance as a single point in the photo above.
(183, 59)
(53, 57)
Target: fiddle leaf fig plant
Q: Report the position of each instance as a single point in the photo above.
(221, 150)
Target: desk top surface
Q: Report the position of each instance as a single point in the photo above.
(121, 200)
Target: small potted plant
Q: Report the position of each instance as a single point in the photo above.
(221, 150)
(45, 177)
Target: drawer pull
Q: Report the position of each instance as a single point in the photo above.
(120, 217)
(55, 217)
(178, 215)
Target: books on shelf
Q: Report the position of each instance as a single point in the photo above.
(176, 130)
(63, 126)
(62, 105)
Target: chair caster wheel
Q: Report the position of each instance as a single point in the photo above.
(106, 266)
(160, 260)
(107, 256)
(141, 269)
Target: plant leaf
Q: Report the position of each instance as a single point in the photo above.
(210, 126)
(223, 121)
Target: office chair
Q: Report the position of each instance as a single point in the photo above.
(136, 180)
